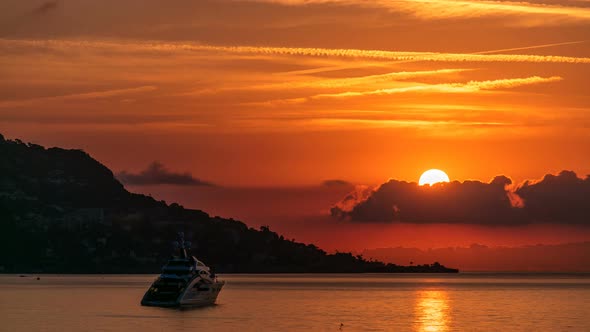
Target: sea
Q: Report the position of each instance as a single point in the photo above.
(305, 302)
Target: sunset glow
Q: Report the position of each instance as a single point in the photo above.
(343, 165)
(317, 117)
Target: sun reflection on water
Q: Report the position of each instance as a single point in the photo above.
(432, 311)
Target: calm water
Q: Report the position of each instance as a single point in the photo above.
(465, 302)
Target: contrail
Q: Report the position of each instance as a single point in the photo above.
(296, 51)
(531, 47)
(322, 69)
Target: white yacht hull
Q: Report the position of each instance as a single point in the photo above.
(197, 294)
(196, 297)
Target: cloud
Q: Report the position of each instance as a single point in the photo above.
(76, 96)
(157, 174)
(557, 197)
(358, 195)
(469, 87)
(46, 7)
(72, 69)
(323, 83)
(178, 47)
(472, 86)
(336, 183)
(335, 83)
(521, 13)
(560, 199)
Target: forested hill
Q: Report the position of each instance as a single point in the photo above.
(61, 211)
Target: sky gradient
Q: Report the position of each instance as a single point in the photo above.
(273, 111)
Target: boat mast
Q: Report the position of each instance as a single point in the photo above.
(183, 245)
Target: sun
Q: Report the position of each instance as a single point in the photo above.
(433, 176)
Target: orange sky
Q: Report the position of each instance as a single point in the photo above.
(289, 93)
(296, 92)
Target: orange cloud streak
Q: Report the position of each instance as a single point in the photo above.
(523, 13)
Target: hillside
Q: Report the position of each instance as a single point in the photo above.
(61, 211)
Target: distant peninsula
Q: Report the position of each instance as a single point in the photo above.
(61, 211)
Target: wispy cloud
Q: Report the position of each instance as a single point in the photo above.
(469, 87)
(180, 68)
(405, 123)
(508, 83)
(322, 83)
(524, 13)
(472, 86)
(438, 128)
(78, 96)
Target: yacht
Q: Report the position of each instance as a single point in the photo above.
(185, 281)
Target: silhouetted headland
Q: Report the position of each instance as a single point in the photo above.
(61, 211)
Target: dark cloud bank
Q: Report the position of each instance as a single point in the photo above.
(46, 7)
(562, 199)
(157, 174)
(336, 183)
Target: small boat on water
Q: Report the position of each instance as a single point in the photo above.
(185, 281)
